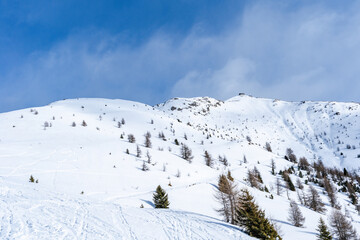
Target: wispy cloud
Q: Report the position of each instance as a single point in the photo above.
(271, 50)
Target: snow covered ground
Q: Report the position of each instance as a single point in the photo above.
(90, 188)
(30, 212)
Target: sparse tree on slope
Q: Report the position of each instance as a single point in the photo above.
(138, 151)
(314, 201)
(160, 198)
(273, 167)
(208, 159)
(295, 216)
(148, 156)
(227, 195)
(131, 138)
(144, 167)
(341, 227)
(268, 147)
(290, 185)
(186, 153)
(279, 189)
(324, 233)
(31, 179)
(331, 192)
(290, 155)
(148, 143)
(229, 176)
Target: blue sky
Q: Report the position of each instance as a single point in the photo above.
(150, 51)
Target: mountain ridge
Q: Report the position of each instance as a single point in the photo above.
(80, 147)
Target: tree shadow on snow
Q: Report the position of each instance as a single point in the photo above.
(148, 202)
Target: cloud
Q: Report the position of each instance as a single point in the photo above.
(235, 76)
(306, 53)
(276, 50)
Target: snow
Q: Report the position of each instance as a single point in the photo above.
(30, 212)
(70, 160)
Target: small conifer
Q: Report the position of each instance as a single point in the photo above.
(31, 179)
(324, 233)
(160, 198)
(252, 219)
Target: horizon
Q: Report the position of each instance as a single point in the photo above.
(175, 98)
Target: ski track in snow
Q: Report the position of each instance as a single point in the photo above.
(33, 214)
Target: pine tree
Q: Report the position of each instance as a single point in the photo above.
(288, 181)
(252, 219)
(324, 233)
(160, 198)
(31, 179)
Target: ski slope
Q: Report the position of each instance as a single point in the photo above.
(92, 189)
(29, 212)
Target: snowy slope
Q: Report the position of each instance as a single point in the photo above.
(29, 212)
(68, 160)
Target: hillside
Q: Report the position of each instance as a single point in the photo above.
(77, 150)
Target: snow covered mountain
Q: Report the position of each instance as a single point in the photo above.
(90, 178)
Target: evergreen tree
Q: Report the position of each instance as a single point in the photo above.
(31, 179)
(324, 233)
(287, 179)
(252, 219)
(160, 198)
